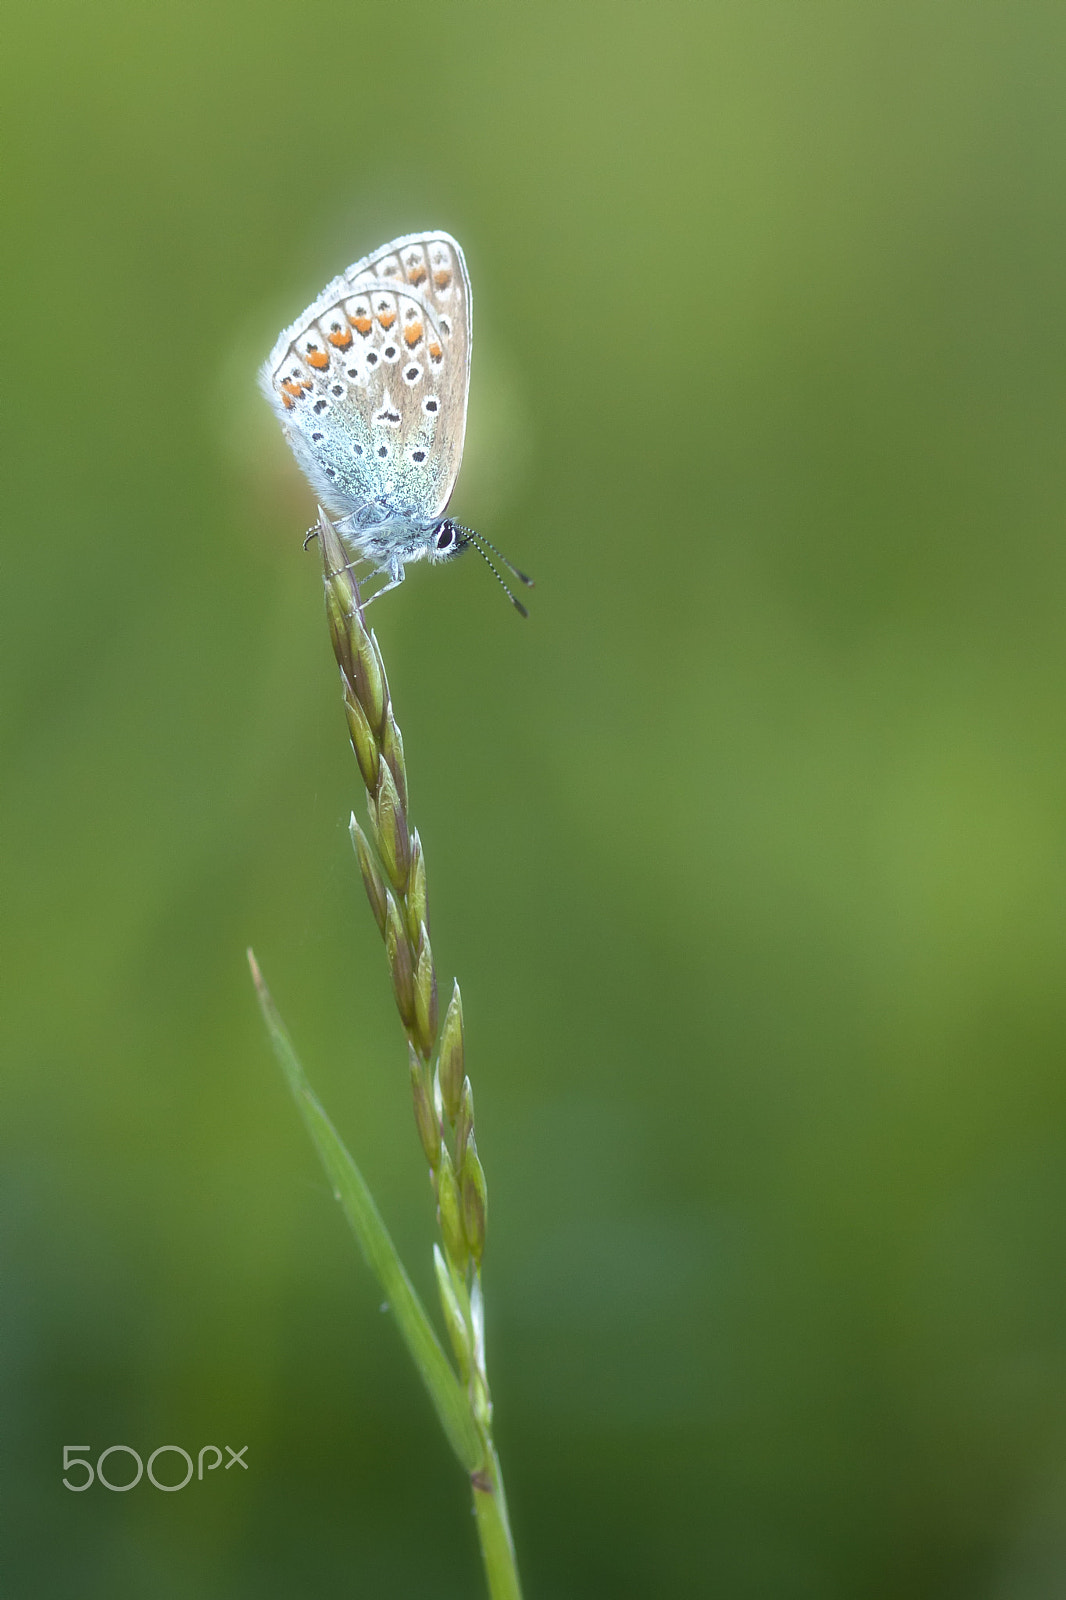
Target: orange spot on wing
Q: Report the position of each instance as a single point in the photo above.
(342, 338)
(386, 318)
(317, 358)
(416, 274)
(442, 278)
(362, 325)
(287, 401)
(294, 388)
(435, 351)
(412, 334)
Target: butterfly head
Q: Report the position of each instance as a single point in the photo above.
(447, 540)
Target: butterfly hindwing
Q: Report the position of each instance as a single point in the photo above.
(370, 383)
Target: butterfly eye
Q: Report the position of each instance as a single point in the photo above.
(445, 536)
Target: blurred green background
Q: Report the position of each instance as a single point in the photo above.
(749, 849)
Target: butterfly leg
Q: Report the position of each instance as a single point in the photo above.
(397, 577)
(362, 569)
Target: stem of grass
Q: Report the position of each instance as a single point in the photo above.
(392, 865)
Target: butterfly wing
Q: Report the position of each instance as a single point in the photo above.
(370, 383)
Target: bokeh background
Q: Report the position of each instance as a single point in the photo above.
(749, 848)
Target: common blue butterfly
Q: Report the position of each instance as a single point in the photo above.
(370, 386)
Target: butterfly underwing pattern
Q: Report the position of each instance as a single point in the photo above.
(370, 386)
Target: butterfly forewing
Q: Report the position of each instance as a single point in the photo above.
(370, 383)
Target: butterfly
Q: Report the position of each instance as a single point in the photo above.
(370, 386)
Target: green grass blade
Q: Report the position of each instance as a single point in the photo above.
(349, 1186)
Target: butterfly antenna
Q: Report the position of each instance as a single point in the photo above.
(470, 537)
(508, 564)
